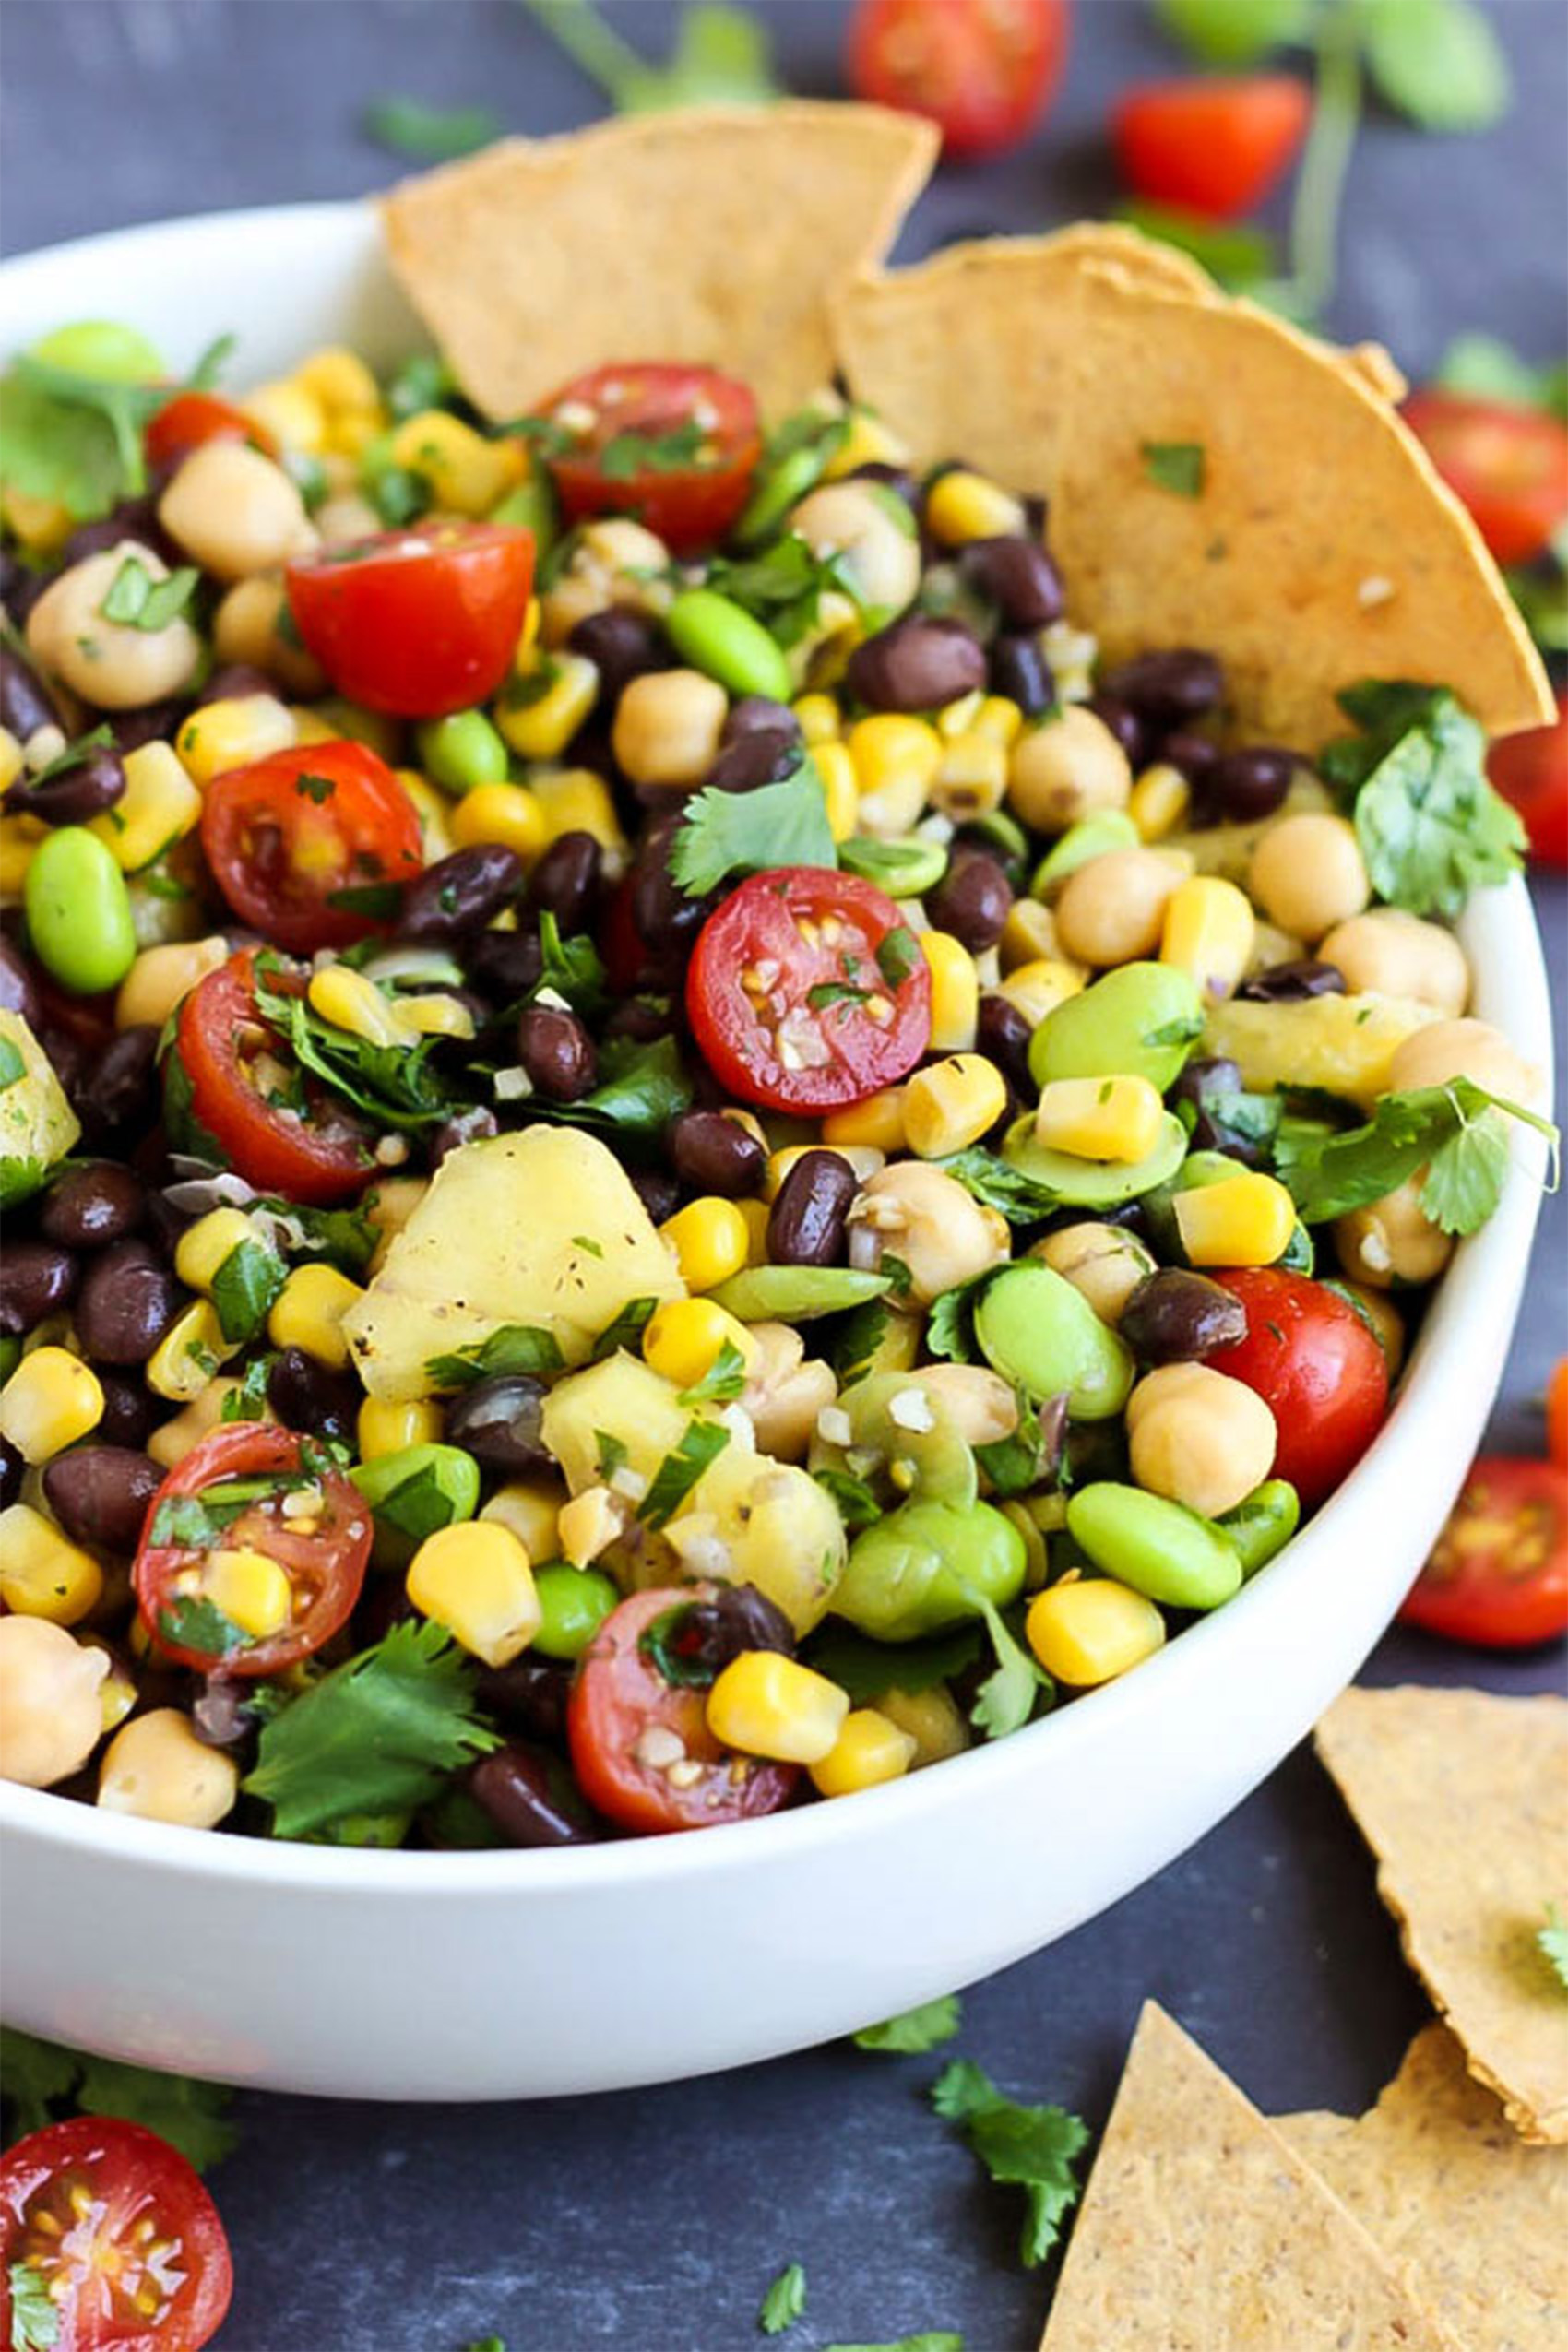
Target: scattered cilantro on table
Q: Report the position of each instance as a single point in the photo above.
(721, 56)
(914, 2031)
(940, 2340)
(41, 2079)
(784, 2301)
(429, 134)
(1032, 2148)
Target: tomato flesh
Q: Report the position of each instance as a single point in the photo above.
(983, 71)
(191, 418)
(1508, 464)
(419, 622)
(619, 1695)
(1214, 146)
(1316, 1366)
(1557, 1415)
(306, 846)
(112, 2225)
(1499, 1574)
(807, 989)
(675, 447)
(1531, 770)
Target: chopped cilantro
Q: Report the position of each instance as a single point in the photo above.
(138, 601)
(609, 1455)
(429, 134)
(196, 1623)
(35, 2315)
(826, 992)
(76, 438)
(867, 1669)
(379, 901)
(1553, 1941)
(247, 1402)
(941, 2339)
(858, 1505)
(626, 454)
(721, 56)
(724, 1378)
(13, 1065)
(245, 1287)
(702, 1444)
(784, 586)
(514, 1348)
(314, 788)
(857, 1336)
(916, 2030)
(898, 955)
(1021, 1199)
(1030, 2147)
(784, 2301)
(1176, 466)
(725, 833)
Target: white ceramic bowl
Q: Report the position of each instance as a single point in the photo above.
(492, 1976)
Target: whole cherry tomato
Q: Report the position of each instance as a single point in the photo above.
(310, 846)
(420, 622)
(1498, 1575)
(1211, 146)
(983, 71)
(1508, 464)
(1531, 770)
(675, 447)
(1316, 1366)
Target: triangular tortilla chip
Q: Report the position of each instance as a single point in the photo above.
(713, 234)
(1201, 2232)
(1437, 2175)
(1463, 1797)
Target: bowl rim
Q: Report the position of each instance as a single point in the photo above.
(1507, 957)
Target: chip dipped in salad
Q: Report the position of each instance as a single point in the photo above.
(677, 1134)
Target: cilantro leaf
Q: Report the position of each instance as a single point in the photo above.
(784, 586)
(703, 1442)
(949, 1332)
(35, 2315)
(429, 134)
(1236, 253)
(1234, 32)
(1029, 2148)
(724, 1378)
(1020, 1198)
(511, 1347)
(245, 1287)
(41, 2076)
(78, 438)
(624, 1330)
(784, 2301)
(725, 833)
(345, 1237)
(857, 1502)
(915, 2031)
(1032, 1454)
(572, 967)
(1553, 1941)
(640, 1090)
(1438, 61)
(1006, 1698)
(1455, 1131)
(941, 2339)
(867, 1669)
(35, 2076)
(898, 955)
(392, 1085)
(857, 1336)
(1177, 466)
(140, 601)
(12, 1066)
(1484, 368)
(194, 1623)
(1431, 826)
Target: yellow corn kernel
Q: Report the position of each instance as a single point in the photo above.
(437, 1015)
(252, 1591)
(1242, 1220)
(588, 1525)
(878, 1120)
(310, 726)
(895, 758)
(206, 1246)
(476, 1579)
(818, 715)
(1038, 988)
(532, 1511)
(188, 1354)
(19, 838)
(540, 714)
(41, 524)
(576, 800)
(50, 1400)
(161, 977)
(43, 1574)
(385, 1428)
(868, 1752)
(840, 789)
(1027, 934)
(351, 1002)
(231, 733)
(757, 1215)
(1159, 800)
(999, 718)
(708, 1238)
(308, 1313)
(949, 1105)
(962, 506)
(1115, 1118)
(340, 381)
(159, 805)
(174, 1439)
(765, 1705)
(1208, 932)
(389, 1207)
(527, 642)
(468, 473)
(972, 777)
(350, 436)
(685, 1338)
(869, 442)
(955, 719)
(10, 759)
(863, 1158)
(954, 993)
(290, 411)
(508, 813)
(1089, 1629)
(433, 811)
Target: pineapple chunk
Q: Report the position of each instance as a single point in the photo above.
(37, 1125)
(626, 1401)
(1340, 1045)
(771, 1525)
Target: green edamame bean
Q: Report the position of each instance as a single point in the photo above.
(78, 911)
(936, 1464)
(1262, 1524)
(928, 1565)
(902, 869)
(534, 506)
(720, 637)
(795, 1293)
(774, 490)
(1089, 838)
(1161, 1548)
(104, 348)
(1140, 1020)
(414, 1491)
(362, 1829)
(1041, 1333)
(574, 1604)
(462, 751)
(1093, 1183)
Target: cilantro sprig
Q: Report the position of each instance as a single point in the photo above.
(1455, 1132)
(785, 2300)
(914, 2031)
(1431, 826)
(41, 2079)
(722, 56)
(77, 439)
(1032, 2148)
(725, 833)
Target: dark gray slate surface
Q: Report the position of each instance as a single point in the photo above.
(654, 2221)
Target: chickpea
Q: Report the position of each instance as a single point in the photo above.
(174, 1439)
(1069, 767)
(1467, 1049)
(667, 726)
(1199, 1438)
(612, 563)
(1393, 1241)
(880, 559)
(925, 1217)
(974, 1400)
(234, 512)
(1386, 1322)
(1112, 909)
(161, 977)
(1308, 873)
(784, 1393)
(246, 628)
(157, 1768)
(345, 518)
(50, 1714)
(1104, 1262)
(1389, 952)
(110, 663)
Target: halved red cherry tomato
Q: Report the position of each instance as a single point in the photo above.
(1510, 467)
(309, 845)
(807, 989)
(191, 418)
(1498, 1575)
(230, 1073)
(1531, 770)
(1557, 1415)
(619, 1694)
(675, 447)
(1212, 146)
(239, 1490)
(1316, 1366)
(983, 71)
(110, 2223)
(420, 622)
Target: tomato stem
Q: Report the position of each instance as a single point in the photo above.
(1325, 159)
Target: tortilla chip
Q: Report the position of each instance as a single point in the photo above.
(1203, 2231)
(1477, 2220)
(1463, 1797)
(713, 234)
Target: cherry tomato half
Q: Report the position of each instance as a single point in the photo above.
(1531, 770)
(1213, 147)
(230, 1494)
(1510, 467)
(807, 989)
(111, 2225)
(675, 447)
(983, 71)
(304, 845)
(191, 418)
(1316, 1366)
(421, 621)
(222, 1075)
(1498, 1575)
(619, 1695)
(1557, 1415)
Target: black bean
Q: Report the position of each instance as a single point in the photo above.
(233, 680)
(713, 1153)
(224, 1716)
(20, 586)
(504, 964)
(460, 894)
(1018, 576)
(126, 1302)
(529, 1695)
(100, 1494)
(709, 1634)
(530, 1797)
(667, 920)
(1167, 687)
(660, 1193)
(1208, 1076)
(919, 663)
(497, 1420)
(1175, 1317)
(621, 644)
(19, 990)
(760, 758)
(119, 1086)
(153, 723)
(307, 1395)
(1287, 983)
(897, 479)
(1246, 785)
(642, 1018)
(557, 1052)
(464, 1127)
(1019, 670)
(1002, 1035)
(74, 794)
(807, 1225)
(971, 900)
(759, 715)
(36, 1277)
(93, 1203)
(12, 1467)
(129, 1414)
(1124, 724)
(566, 881)
(26, 704)
(132, 518)
(1194, 754)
